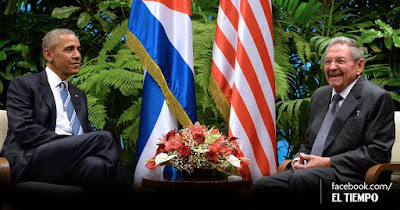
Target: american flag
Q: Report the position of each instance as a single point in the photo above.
(242, 82)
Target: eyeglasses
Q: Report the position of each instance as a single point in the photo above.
(339, 61)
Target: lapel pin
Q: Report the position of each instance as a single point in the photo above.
(76, 96)
(358, 113)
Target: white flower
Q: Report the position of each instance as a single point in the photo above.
(200, 150)
(233, 160)
(163, 157)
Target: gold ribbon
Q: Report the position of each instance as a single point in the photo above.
(219, 99)
(155, 71)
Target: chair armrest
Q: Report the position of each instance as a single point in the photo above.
(372, 175)
(5, 174)
(285, 165)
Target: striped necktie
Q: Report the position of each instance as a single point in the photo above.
(69, 108)
(320, 140)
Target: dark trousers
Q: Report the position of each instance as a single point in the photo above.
(90, 160)
(309, 185)
(305, 180)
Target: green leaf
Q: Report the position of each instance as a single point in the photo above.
(370, 35)
(3, 42)
(385, 27)
(375, 47)
(395, 96)
(294, 6)
(17, 48)
(396, 39)
(300, 10)
(64, 12)
(3, 56)
(103, 23)
(26, 65)
(388, 42)
(83, 20)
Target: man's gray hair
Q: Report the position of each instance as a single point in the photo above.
(51, 38)
(356, 49)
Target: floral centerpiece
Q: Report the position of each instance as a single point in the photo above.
(198, 148)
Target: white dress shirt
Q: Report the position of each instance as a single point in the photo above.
(345, 92)
(62, 122)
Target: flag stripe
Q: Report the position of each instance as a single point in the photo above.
(221, 80)
(231, 12)
(160, 33)
(153, 98)
(250, 75)
(244, 34)
(248, 125)
(174, 68)
(243, 89)
(177, 5)
(175, 32)
(225, 46)
(256, 34)
(267, 7)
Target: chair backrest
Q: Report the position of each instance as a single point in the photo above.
(3, 127)
(396, 146)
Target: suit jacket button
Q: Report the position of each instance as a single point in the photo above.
(28, 154)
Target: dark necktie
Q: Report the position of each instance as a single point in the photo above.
(69, 108)
(320, 140)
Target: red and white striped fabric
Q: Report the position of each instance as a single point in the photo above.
(242, 82)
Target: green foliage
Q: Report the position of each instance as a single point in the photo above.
(113, 83)
(92, 10)
(300, 46)
(204, 9)
(291, 122)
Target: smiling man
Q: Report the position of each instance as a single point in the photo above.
(49, 137)
(351, 128)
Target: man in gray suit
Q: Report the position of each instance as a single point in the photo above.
(340, 145)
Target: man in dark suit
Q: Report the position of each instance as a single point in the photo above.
(359, 135)
(49, 137)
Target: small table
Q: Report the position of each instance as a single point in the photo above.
(197, 185)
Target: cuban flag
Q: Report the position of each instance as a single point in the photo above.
(160, 33)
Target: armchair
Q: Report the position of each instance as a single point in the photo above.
(30, 189)
(374, 172)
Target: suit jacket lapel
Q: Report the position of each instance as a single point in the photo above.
(48, 97)
(348, 106)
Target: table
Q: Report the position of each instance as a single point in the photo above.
(197, 185)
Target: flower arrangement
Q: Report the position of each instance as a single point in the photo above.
(197, 147)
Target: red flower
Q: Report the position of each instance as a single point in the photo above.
(197, 127)
(213, 147)
(221, 147)
(173, 143)
(244, 161)
(211, 156)
(170, 134)
(151, 164)
(199, 137)
(184, 151)
(160, 149)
